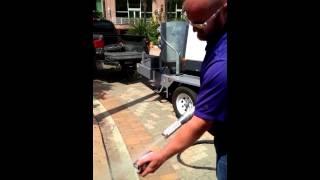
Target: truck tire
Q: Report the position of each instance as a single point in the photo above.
(128, 70)
(183, 99)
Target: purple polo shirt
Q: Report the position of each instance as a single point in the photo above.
(211, 102)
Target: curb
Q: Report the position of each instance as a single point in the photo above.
(119, 158)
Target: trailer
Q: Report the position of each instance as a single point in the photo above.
(176, 72)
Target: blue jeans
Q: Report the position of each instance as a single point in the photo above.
(221, 165)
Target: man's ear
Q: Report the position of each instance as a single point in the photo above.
(225, 5)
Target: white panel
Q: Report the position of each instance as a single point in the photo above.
(195, 48)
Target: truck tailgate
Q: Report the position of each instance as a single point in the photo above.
(122, 56)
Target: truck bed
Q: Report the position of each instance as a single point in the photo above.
(123, 56)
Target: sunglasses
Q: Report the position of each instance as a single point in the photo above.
(203, 25)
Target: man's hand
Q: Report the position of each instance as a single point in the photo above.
(150, 162)
(185, 137)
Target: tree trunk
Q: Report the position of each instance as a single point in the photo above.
(144, 11)
(165, 10)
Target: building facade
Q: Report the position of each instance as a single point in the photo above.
(122, 12)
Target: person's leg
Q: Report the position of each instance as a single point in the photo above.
(221, 168)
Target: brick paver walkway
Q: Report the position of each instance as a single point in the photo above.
(141, 115)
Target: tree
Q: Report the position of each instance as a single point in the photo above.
(144, 4)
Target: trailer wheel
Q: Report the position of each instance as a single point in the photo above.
(183, 99)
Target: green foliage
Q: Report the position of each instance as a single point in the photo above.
(152, 31)
(98, 14)
(148, 29)
(138, 28)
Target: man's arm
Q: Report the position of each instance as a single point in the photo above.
(185, 137)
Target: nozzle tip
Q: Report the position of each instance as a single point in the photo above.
(164, 135)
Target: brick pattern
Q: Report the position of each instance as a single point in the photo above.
(141, 124)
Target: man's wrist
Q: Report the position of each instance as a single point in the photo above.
(164, 155)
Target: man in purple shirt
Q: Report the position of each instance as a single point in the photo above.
(209, 20)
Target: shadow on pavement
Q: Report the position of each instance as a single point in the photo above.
(100, 89)
(100, 116)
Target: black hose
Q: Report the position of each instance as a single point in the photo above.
(196, 167)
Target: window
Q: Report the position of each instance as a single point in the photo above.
(121, 8)
(148, 10)
(174, 9)
(133, 7)
(134, 3)
(121, 5)
(179, 5)
(149, 6)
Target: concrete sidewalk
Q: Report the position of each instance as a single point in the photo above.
(140, 115)
(100, 164)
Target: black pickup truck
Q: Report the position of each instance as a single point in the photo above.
(111, 48)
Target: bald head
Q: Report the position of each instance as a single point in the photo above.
(200, 11)
(201, 7)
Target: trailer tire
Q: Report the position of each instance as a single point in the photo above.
(183, 99)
